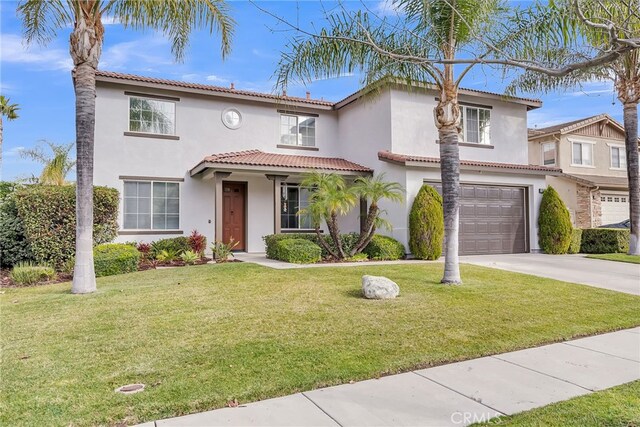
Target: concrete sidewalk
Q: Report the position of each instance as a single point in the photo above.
(456, 394)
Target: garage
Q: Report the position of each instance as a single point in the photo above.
(492, 219)
(615, 207)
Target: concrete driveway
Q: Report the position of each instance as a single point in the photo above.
(617, 276)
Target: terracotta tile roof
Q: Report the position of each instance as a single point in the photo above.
(404, 159)
(572, 125)
(209, 88)
(286, 161)
(600, 181)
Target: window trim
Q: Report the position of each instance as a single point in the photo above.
(151, 181)
(624, 150)
(150, 97)
(555, 157)
(593, 160)
(286, 229)
(463, 108)
(297, 115)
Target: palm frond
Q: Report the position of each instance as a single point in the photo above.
(42, 19)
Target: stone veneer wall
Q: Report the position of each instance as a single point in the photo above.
(588, 212)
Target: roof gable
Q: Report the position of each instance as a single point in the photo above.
(602, 125)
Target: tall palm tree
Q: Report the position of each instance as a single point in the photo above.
(42, 19)
(624, 72)
(10, 112)
(56, 166)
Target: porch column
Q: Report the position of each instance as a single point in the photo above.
(218, 177)
(277, 181)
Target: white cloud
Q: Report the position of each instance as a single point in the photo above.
(386, 8)
(128, 55)
(13, 152)
(217, 79)
(110, 20)
(13, 50)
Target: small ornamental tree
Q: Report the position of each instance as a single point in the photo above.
(554, 224)
(426, 224)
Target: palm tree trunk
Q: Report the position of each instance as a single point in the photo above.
(334, 231)
(631, 143)
(84, 280)
(322, 242)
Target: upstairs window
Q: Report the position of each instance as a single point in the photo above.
(294, 198)
(151, 205)
(297, 130)
(618, 157)
(476, 124)
(549, 154)
(154, 116)
(582, 154)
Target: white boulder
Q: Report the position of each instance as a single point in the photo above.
(378, 287)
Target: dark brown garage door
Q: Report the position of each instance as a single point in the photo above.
(492, 219)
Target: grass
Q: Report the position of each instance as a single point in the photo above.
(634, 259)
(615, 407)
(201, 336)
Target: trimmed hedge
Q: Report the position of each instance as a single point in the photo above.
(49, 217)
(299, 251)
(271, 240)
(177, 245)
(554, 223)
(14, 246)
(426, 224)
(115, 258)
(604, 240)
(26, 273)
(576, 241)
(384, 248)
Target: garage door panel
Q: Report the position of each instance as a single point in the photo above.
(492, 219)
(615, 207)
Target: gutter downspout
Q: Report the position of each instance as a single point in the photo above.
(596, 188)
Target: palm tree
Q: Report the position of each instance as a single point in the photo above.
(373, 190)
(42, 19)
(10, 111)
(56, 167)
(624, 72)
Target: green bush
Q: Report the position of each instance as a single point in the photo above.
(384, 248)
(426, 224)
(605, 240)
(175, 245)
(349, 240)
(576, 241)
(271, 240)
(115, 258)
(14, 246)
(554, 223)
(299, 251)
(49, 217)
(27, 273)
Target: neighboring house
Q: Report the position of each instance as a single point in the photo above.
(228, 162)
(591, 154)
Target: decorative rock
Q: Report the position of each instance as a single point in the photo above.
(378, 287)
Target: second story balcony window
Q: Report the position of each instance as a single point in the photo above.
(476, 124)
(618, 157)
(582, 154)
(297, 130)
(549, 154)
(153, 116)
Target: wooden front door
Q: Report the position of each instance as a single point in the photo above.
(233, 213)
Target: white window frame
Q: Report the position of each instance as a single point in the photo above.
(583, 143)
(175, 115)
(151, 213)
(555, 157)
(623, 149)
(294, 185)
(481, 135)
(297, 117)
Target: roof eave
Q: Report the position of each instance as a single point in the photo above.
(229, 167)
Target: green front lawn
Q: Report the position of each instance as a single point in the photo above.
(201, 336)
(634, 259)
(614, 407)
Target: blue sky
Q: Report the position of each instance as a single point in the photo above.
(38, 78)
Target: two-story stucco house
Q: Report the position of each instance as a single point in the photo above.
(228, 162)
(591, 153)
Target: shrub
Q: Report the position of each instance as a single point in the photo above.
(576, 241)
(426, 224)
(197, 243)
(175, 245)
(384, 248)
(271, 240)
(115, 258)
(144, 249)
(189, 257)
(349, 240)
(361, 257)
(554, 223)
(299, 251)
(14, 246)
(604, 240)
(49, 217)
(167, 255)
(27, 273)
(222, 251)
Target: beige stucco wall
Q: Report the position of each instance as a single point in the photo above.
(601, 156)
(567, 190)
